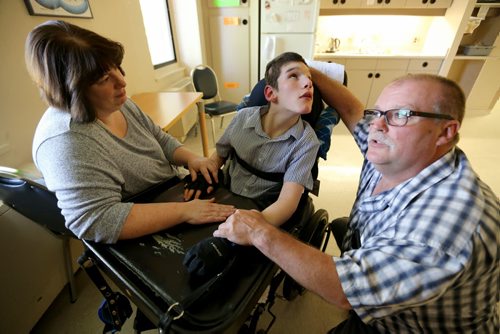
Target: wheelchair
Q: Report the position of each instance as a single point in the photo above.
(306, 224)
(149, 270)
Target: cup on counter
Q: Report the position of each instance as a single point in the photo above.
(333, 45)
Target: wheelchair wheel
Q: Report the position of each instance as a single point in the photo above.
(314, 235)
(315, 231)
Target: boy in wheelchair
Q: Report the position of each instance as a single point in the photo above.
(268, 151)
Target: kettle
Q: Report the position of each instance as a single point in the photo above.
(333, 45)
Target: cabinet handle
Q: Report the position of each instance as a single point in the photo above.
(387, 1)
(245, 22)
(433, 2)
(424, 64)
(377, 75)
(370, 75)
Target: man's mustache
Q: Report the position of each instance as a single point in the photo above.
(380, 138)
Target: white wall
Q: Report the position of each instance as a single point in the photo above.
(20, 104)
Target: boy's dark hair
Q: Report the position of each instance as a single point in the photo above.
(64, 60)
(273, 68)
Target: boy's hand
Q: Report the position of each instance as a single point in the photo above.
(209, 257)
(197, 188)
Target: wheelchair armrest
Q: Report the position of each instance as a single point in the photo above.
(32, 199)
(14, 177)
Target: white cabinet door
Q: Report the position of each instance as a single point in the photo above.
(32, 274)
(339, 4)
(431, 66)
(381, 78)
(360, 76)
(367, 85)
(428, 3)
(360, 83)
(367, 77)
(381, 4)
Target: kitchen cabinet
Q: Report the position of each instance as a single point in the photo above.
(33, 272)
(428, 3)
(384, 4)
(437, 48)
(340, 4)
(424, 65)
(477, 72)
(367, 77)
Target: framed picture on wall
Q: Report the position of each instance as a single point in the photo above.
(62, 8)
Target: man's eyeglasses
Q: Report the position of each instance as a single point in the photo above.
(399, 117)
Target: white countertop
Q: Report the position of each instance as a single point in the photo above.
(350, 54)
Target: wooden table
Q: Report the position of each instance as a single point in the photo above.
(167, 108)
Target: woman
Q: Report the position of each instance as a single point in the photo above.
(95, 147)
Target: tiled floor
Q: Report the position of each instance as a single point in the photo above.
(308, 313)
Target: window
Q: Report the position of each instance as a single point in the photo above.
(156, 19)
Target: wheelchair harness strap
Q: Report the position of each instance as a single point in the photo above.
(116, 309)
(274, 177)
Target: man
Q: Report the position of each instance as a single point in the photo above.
(421, 253)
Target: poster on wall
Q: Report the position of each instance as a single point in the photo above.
(61, 8)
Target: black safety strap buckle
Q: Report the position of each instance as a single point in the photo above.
(116, 308)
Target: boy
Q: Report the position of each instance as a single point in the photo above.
(273, 139)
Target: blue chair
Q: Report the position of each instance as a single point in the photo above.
(204, 81)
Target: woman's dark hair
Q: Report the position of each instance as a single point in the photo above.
(273, 68)
(64, 60)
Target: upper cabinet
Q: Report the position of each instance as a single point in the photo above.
(476, 64)
(384, 4)
(339, 4)
(428, 3)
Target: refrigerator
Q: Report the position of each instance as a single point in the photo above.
(287, 25)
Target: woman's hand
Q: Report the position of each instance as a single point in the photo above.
(205, 166)
(206, 211)
(208, 168)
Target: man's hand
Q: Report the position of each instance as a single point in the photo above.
(242, 227)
